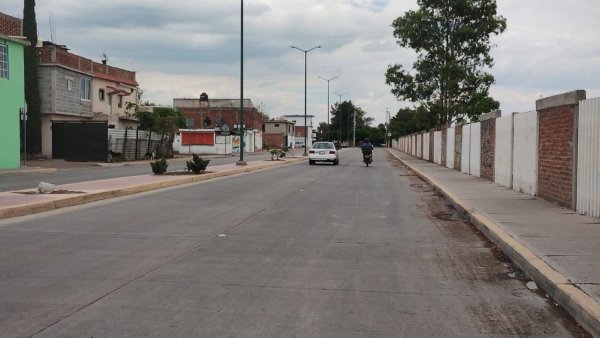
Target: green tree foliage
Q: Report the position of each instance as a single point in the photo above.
(32, 91)
(162, 120)
(408, 121)
(452, 40)
(342, 121)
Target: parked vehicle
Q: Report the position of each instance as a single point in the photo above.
(323, 152)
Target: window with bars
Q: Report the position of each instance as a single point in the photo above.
(3, 61)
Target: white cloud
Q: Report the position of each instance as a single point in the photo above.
(186, 47)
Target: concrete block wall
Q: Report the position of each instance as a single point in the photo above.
(488, 145)
(444, 146)
(458, 147)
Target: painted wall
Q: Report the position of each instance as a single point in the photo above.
(466, 149)
(12, 97)
(588, 164)
(437, 147)
(525, 153)
(475, 155)
(426, 142)
(503, 161)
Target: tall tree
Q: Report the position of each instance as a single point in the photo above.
(452, 40)
(343, 120)
(32, 91)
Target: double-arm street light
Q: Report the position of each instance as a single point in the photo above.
(333, 78)
(305, 124)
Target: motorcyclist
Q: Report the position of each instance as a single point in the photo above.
(367, 147)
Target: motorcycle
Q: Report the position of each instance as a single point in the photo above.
(367, 157)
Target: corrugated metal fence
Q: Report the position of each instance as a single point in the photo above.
(588, 158)
(134, 144)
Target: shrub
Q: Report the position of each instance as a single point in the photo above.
(159, 167)
(197, 164)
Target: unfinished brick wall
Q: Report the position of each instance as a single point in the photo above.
(444, 146)
(431, 145)
(273, 140)
(457, 147)
(10, 25)
(488, 147)
(556, 147)
(556, 155)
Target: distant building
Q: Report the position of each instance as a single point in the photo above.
(204, 112)
(12, 89)
(278, 133)
(301, 129)
(77, 89)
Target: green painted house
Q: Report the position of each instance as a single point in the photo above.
(12, 90)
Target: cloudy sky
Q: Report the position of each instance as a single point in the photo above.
(185, 47)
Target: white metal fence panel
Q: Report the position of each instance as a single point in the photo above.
(525, 152)
(426, 146)
(437, 147)
(420, 145)
(466, 149)
(450, 139)
(475, 156)
(414, 145)
(588, 159)
(503, 161)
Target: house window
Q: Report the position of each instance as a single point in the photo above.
(101, 94)
(276, 124)
(3, 61)
(69, 84)
(120, 101)
(85, 88)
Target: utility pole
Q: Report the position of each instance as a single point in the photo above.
(340, 114)
(328, 127)
(354, 131)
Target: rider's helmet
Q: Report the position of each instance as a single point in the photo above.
(367, 140)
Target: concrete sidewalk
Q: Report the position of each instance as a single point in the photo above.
(25, 202)
(554, 246)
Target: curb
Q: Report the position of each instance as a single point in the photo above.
(581, 306)
(32, 208)
(29, 170)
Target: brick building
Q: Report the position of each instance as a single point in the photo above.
(278, 133)
(198, 110)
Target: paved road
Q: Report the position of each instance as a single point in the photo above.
(82, 172)
(304, 251)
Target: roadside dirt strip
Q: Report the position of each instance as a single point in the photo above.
(580, 305)
(26, 202)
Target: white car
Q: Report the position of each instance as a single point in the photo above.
(323, 152)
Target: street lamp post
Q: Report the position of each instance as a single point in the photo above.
(340, 112)
(241, 126)
(333, 78)
(305, 123)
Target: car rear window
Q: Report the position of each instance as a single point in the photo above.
(323, 146)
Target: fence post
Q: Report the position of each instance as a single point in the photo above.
(137, 143)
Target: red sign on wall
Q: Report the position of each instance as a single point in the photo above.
(197, 138)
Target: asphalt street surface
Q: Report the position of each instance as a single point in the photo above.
(296, 251)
